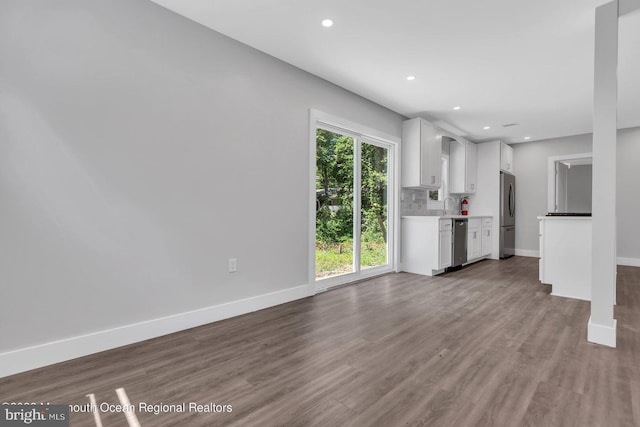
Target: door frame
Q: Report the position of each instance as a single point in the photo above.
(367, 135)
(551, 175)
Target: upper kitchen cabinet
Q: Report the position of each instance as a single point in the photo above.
(421, 154)
(506, 158)
(463, 166)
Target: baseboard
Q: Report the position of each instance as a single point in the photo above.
(527, 252)
(600, 334)
(632, 262)
(25, 359)
(553, 294)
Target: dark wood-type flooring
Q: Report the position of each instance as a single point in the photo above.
(483, 346)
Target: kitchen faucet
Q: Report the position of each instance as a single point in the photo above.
(444, 206)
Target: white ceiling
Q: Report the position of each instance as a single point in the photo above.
(502, 61)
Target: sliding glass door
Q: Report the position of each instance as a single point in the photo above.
(352, 205)
(334, 203)
(374, 212)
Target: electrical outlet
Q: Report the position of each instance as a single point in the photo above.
(233, 265)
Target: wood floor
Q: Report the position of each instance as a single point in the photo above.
(483, 346)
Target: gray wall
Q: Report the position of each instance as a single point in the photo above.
(628, 193)
(138, 152)
(579, 185)
(530, 160)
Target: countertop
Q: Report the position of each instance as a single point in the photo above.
(565, 218)
(438, 217)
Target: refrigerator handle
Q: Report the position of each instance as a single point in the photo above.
(513, 201)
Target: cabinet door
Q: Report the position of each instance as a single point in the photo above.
(445, 249)
(487, 241)
(474, 244)
(471, 167)
(463, 166)
(506, 158)
(541, 248)
(457, 167)
(430, 154)
(477, 249)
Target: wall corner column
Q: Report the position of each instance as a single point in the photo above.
(602, 325)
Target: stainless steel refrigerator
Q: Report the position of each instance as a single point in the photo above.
(507, 215)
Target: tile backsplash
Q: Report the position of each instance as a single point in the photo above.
(415, 201)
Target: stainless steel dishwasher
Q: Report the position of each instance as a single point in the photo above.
(459, 255)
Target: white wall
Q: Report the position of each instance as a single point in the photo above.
(579, 179)
(561, 187)
(138, 152)
(531, 159)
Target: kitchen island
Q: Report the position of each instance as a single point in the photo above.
(565, 255)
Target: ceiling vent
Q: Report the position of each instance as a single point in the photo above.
(508, 125)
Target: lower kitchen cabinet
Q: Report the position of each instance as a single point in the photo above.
(445, 242)
(487, 238)
(474, 238)
(426, 244)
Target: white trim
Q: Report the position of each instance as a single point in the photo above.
(600, 334)
(632, 262)
(349, 127)
(311, 260)
(555, 294)
(331, 282)
(527, 252)
(357, 204)
(37, 356)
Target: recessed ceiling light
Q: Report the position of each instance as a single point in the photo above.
(327, 23)
(527, 138)
(486, 127)
(456, 107)
(410, 78)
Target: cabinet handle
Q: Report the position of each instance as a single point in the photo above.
(433, 179)
(473, 186)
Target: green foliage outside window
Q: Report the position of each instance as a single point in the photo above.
(334, 201)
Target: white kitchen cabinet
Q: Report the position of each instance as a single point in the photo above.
(506, 157)
(541, 268)
(421, 154)
(426, 244)
(565, 255)
(474, 238)
(487, 238)
(446, 240)
(463, 166)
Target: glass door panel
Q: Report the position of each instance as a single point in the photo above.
(334, 204)
(374, 212)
